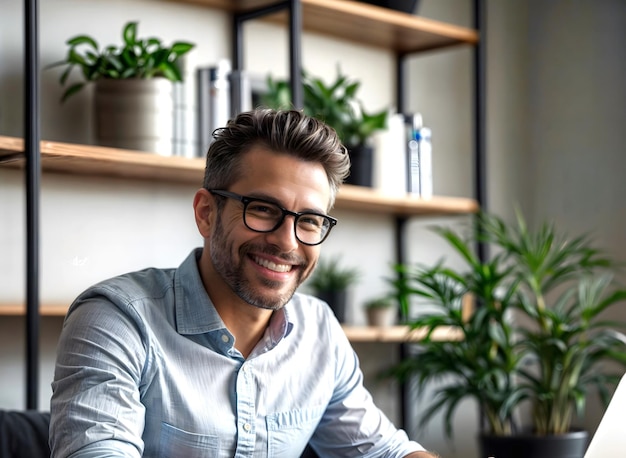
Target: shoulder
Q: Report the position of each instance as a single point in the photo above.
(309, 309)
(313, 319)
(130, 290)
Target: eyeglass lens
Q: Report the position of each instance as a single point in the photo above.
(261, 216)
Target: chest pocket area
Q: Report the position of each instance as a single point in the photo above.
(177, 442)
(289, 432)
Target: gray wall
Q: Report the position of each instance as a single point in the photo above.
(556, 103)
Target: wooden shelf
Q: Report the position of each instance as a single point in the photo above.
(363, 199)
(58, 310)
(398, 334)
(392, 334)
(362, 23)
(101, 161)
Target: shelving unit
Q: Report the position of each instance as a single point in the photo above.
(404, 34)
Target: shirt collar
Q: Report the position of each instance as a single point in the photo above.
(196, 314)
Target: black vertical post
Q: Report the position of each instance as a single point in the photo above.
(401, 250)
(236, 82)
(480, 115)
(401, 92)
(33, 176)
(295, 43)
(295, 53)
(400, 223)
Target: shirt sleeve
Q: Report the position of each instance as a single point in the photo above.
(353, 426)
(95, 405)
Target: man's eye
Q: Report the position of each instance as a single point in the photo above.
(311, 222)
(260, 208)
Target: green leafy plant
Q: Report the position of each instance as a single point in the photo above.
(536, 335)
(330, 276)
(335, 103)
(136, 58)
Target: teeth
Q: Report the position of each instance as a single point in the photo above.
(273, 266)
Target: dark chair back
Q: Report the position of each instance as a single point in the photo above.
(24, 434)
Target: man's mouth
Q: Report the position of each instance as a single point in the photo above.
(272, 265)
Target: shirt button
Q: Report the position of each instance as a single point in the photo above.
(247, 427)
(225, 338)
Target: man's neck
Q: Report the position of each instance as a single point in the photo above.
(247, 324)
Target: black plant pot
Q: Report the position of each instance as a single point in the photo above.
(406, 6)
(570, 445)
(361, 165)
(337, 301)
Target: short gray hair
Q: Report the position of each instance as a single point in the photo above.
(288, 132)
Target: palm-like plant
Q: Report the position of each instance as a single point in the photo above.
(535, 336)
(568, 341)
(483, 364)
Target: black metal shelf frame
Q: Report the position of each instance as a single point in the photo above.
(33, 156)
(480, 157)
(33, 175)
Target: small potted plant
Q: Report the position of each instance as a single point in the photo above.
(330, 282)
(134, 95)
(338, 106)
(537, 336)
(382, 311)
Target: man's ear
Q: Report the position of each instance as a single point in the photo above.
(204, 208)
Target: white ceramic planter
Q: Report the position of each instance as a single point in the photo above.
(136, 114)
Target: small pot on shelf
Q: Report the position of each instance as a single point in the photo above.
(382, 312)
(330, 282)
(406, 6)
(361, 165)
(337, 299)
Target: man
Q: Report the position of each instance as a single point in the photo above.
(221, 357)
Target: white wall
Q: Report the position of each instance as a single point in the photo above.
(556, 102)
(577, 136)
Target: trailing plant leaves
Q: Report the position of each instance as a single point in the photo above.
(137, 58)
(336, 104)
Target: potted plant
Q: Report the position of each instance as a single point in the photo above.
(330, 282)
(134, 92)
(406, 6)
(381, 311)
(338, 106)
(536, 337)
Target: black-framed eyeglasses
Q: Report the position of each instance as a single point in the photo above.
(260, 215)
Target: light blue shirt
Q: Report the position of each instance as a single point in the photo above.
(146, 367)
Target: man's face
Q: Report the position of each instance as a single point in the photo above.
(265, 269)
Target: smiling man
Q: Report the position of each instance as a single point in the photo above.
(221, 357)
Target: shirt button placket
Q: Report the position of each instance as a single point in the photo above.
(245, 412)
